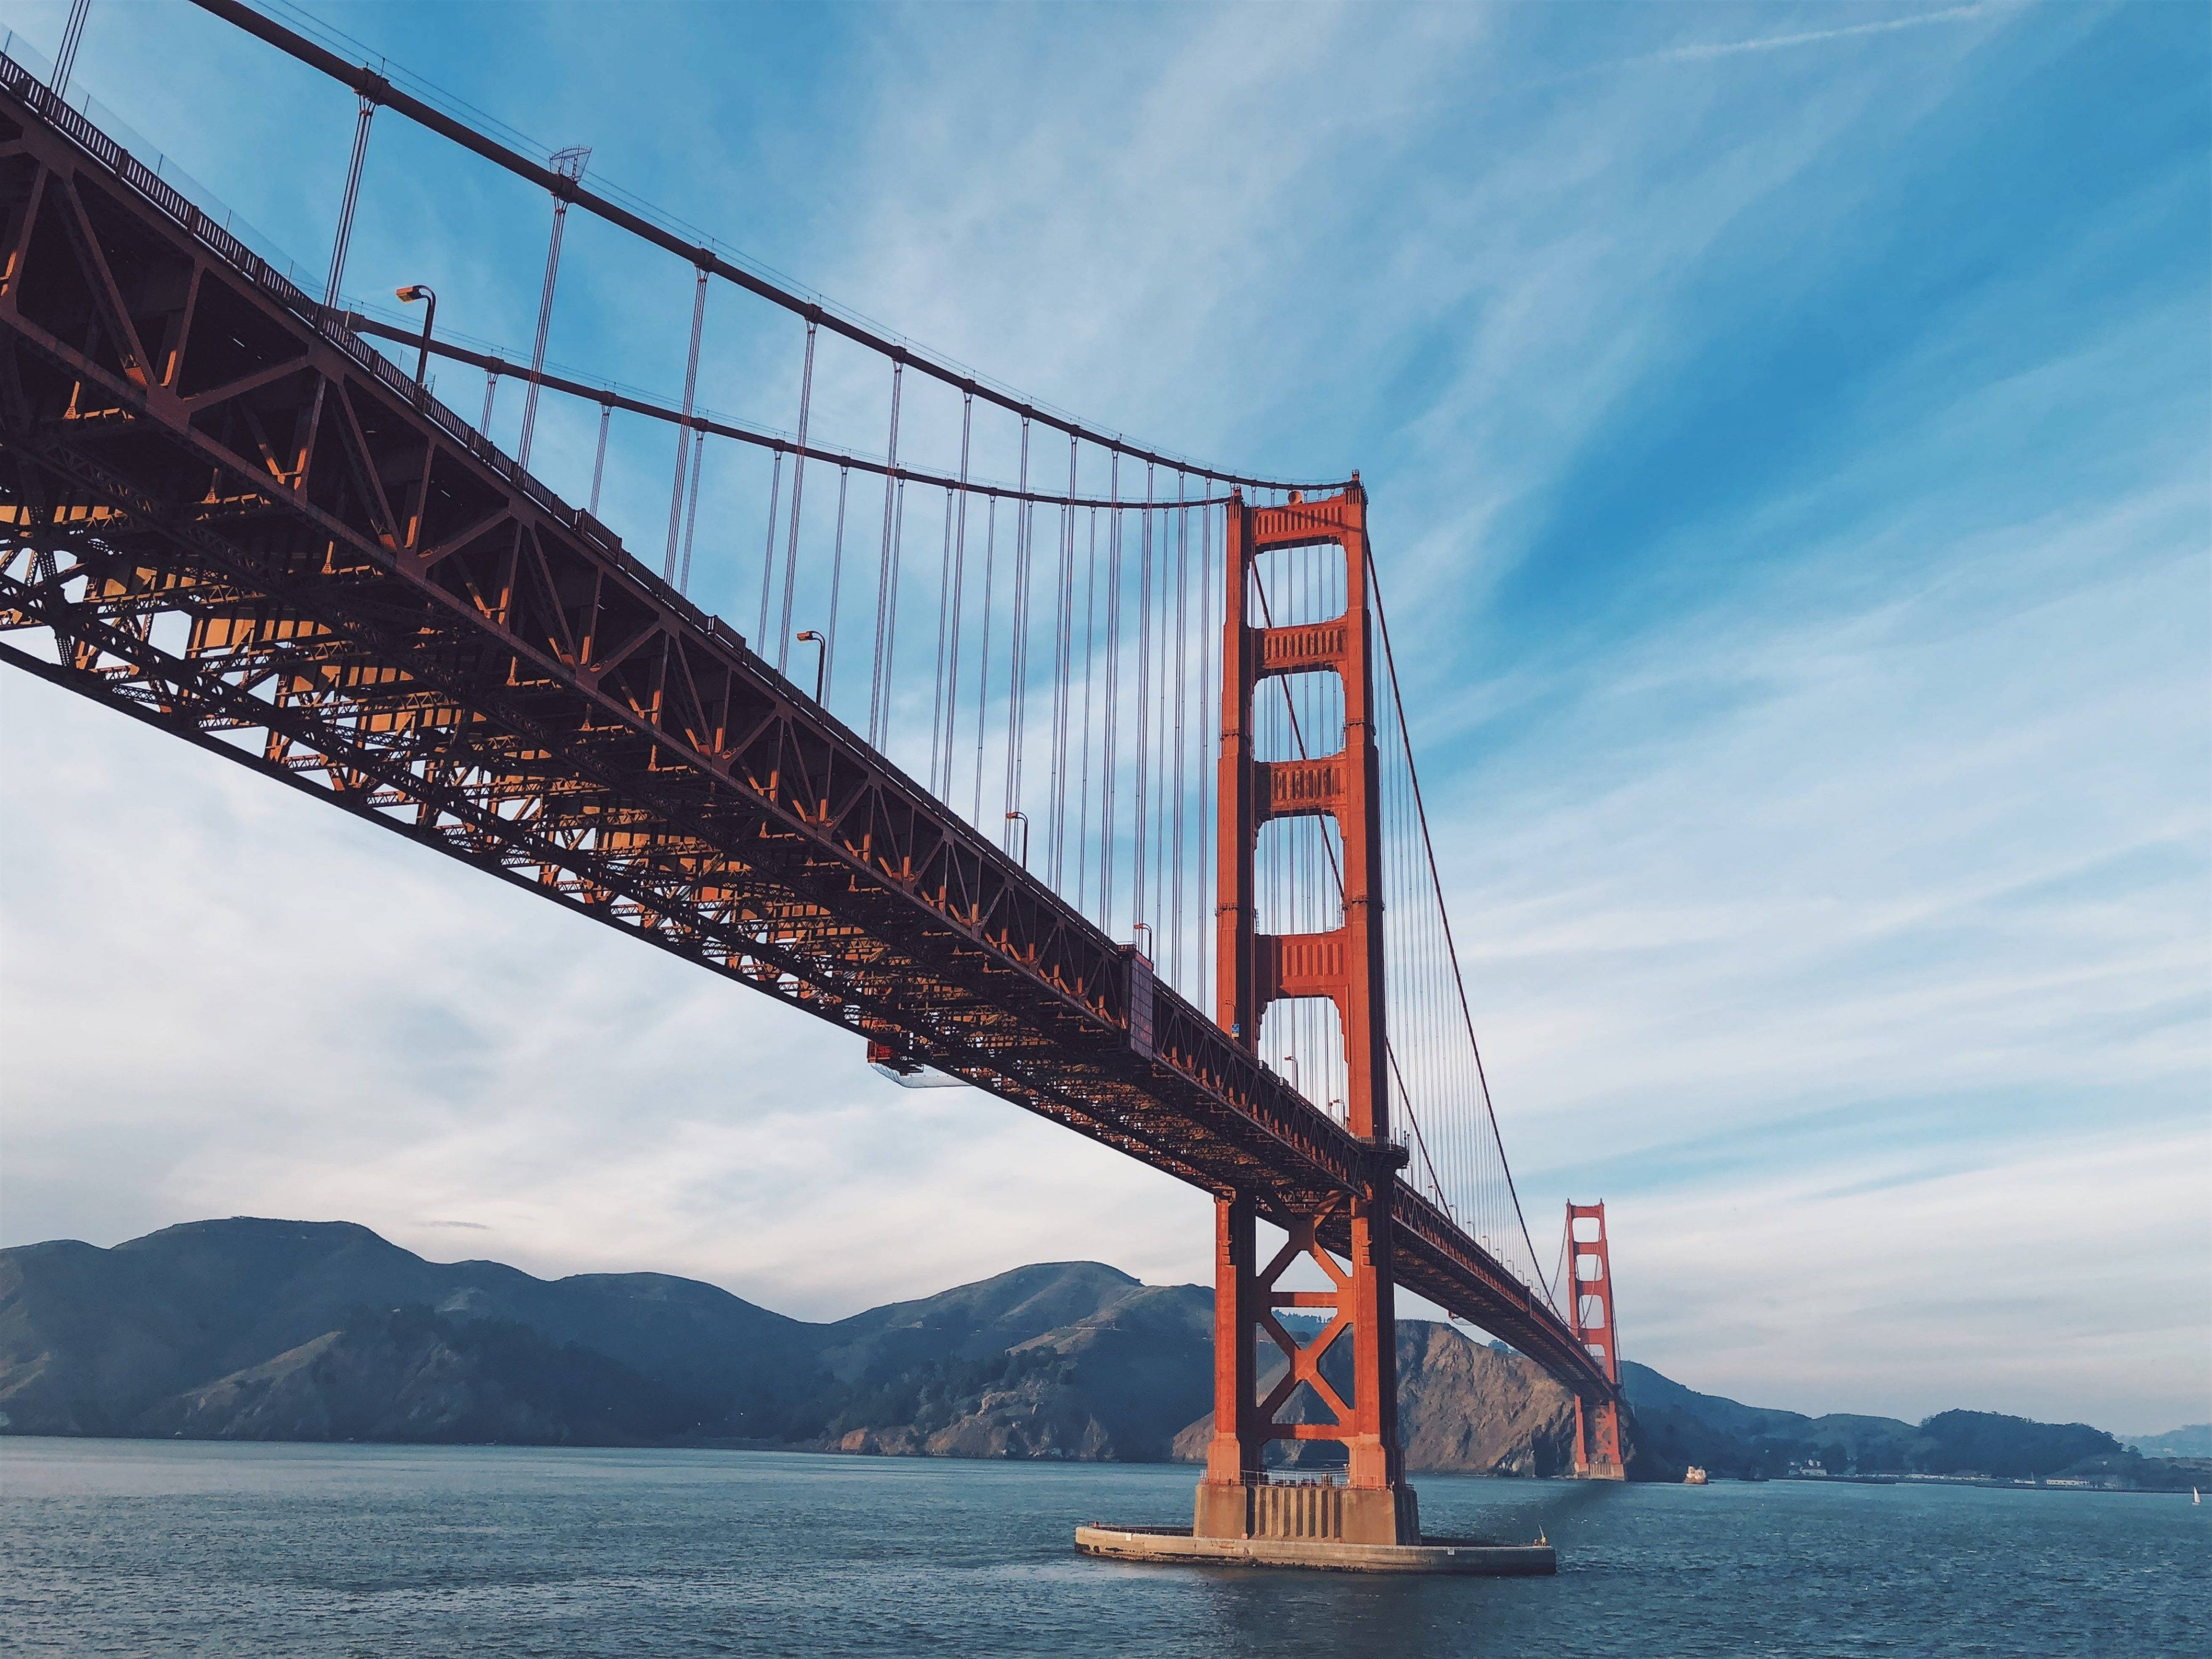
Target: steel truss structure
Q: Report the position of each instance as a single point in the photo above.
(225, 514)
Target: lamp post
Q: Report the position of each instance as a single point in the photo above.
(408, 295)
(1024, 817)
(821, 656)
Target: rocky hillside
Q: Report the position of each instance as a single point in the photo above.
(1463, 1406)
(1116, 1384)
(252, 1329)
(284, 1330)
(96, 1341)
(410, 1375)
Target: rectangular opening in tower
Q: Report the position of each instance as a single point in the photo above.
(1301, 1041)
(1292, 587)
(1298, 716)
(1297, 877)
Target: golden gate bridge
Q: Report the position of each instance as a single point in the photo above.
(1117, 819)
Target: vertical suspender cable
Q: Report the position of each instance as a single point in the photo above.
(600, 464)
(983, 656)
(767, 551)
(937, 690)
(1162, 704)
(959, 593)
(1144, 698)
(344, 237)
(798, 492)
(948, 610)
(1181, 708)
(1062, 646)
(683, 426)
(1083, 772)
(568, 164)
(72, 34)
(1164, 643)
(491, 390)
(691, 512)
(1113, 699)
(1428, 845)
(1209, 718)
(891, 627)
(836, 581)
(1018, 668)
(885, 578)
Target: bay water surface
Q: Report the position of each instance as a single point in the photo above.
(132, 1547)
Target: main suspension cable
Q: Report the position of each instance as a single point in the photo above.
(1459, 979)
(607, 393)
(643, 222)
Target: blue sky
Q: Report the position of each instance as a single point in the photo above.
(1788, 430)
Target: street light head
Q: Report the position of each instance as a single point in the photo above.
(411, 292)
(810, 634)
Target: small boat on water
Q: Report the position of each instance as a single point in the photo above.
(1693, 1476)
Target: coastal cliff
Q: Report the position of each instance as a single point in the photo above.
(1463, 1405)
(251, 1330)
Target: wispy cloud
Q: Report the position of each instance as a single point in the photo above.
(1699, 51)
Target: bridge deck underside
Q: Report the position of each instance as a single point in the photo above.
(224, 515)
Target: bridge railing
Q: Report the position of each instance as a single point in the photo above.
(204, 227)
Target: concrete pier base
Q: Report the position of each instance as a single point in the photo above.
(1178, 1546)
(1307, 1511)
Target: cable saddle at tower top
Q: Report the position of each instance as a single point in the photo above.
(650, 225)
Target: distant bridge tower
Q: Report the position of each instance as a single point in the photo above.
(1589, 1278)
(1345, 965)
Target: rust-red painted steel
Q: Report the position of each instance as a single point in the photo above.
(1344, 965)
(1589, 1310)
(227, 517)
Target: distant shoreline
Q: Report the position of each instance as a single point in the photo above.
(1987, 1482)
(781, 1450)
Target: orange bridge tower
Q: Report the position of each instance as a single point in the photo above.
(1589, 1281)
(1346, 966)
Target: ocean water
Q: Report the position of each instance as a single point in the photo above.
(124, 1548)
